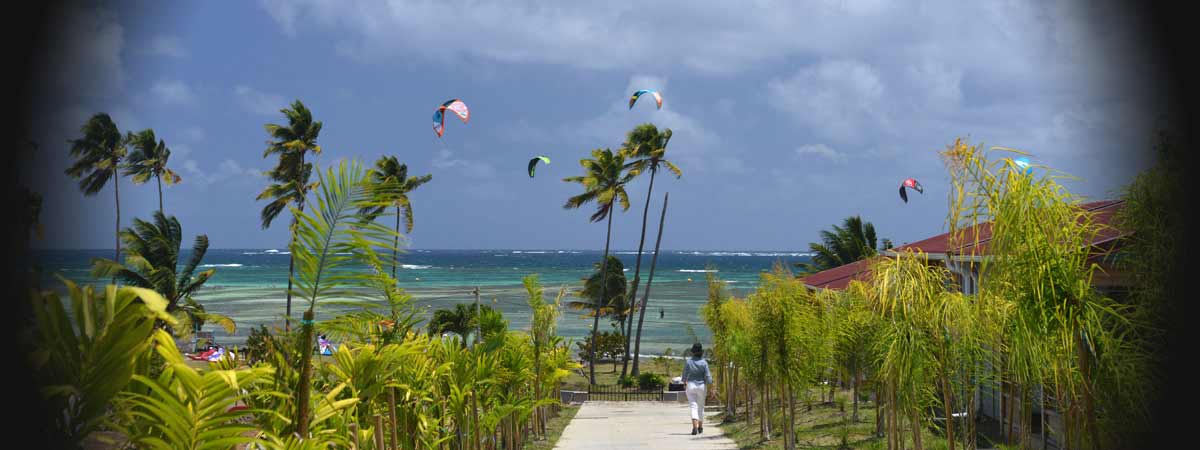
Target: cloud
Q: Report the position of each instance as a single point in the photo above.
(259, 102)
(709, 36)
(821, 150)
(172, 92)
(837, 99)
(168, 46)
(180, 151)
(284, 12)
(445, 159)
(228, 169)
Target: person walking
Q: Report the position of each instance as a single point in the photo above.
(696, 376)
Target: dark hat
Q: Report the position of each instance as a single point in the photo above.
(697, 349)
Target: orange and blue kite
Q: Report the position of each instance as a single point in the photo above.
(657, 98)
(439, 117)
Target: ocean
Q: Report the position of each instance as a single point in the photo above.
(250, 285)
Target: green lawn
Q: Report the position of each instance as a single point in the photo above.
(554, 429)
(607, 373)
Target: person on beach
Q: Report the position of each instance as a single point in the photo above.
(696, 376)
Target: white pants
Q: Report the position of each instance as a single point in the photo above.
(695, 395)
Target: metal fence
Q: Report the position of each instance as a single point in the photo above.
(620, 394)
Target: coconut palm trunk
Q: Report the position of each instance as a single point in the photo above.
(636, 279)
(287, 321)
(599, 303)
(646, 297)
(117, 196)
(396, 243)
(158, 180)
(305, 384)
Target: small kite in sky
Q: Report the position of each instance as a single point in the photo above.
(1024, 165)
(533, 162)
(657, 98)
(910, 183)
(439, 116)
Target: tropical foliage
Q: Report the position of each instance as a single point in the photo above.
(290, 177)
(604, 183)
(108, 368)
(149, 159)
(463, 321)
(391, 184)
(85, 350)
(98, 155)
(153, 263)
(1033, 330)
(853, 241)
(647, 146)
(615, 306)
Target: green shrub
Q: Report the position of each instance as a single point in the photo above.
(649, 381)
(258, 344)
(626, 381)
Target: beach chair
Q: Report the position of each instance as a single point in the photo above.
(202, 356)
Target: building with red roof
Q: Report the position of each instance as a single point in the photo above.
(961, 261)
(939, 248)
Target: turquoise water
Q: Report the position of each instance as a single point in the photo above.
(250, 284)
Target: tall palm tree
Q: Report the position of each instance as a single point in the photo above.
(390, 185)
(152, 262)
(98, 155)
(604, 183)
(649, 146)
(290, 177)
(853, 241)
(149, 159)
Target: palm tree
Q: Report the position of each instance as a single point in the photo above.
(649, 146)
(461, 320)
(149, 159)
(615, 304)
(153, 263)
(391, 184)
(853, 241)
(290, 177)
(603, 183)
(328, 244)
(97, 155)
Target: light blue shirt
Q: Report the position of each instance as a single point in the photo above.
(696, 370)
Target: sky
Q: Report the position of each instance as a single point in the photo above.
(787, 116)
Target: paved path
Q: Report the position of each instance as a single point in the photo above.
(638, 425)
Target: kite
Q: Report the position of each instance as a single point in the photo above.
(1024, 165)
(439, 117)
(910, 183)
(657, 98)
(533, 162)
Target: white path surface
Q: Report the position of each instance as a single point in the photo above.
(640, 425)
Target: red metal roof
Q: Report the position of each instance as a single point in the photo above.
(839, 277)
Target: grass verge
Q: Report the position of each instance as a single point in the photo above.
(554, 429)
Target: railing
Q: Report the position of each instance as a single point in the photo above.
(620, 394)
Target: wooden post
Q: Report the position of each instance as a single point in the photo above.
(392, 410)
(378, 431)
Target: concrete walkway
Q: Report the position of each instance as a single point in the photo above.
(638, 425)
